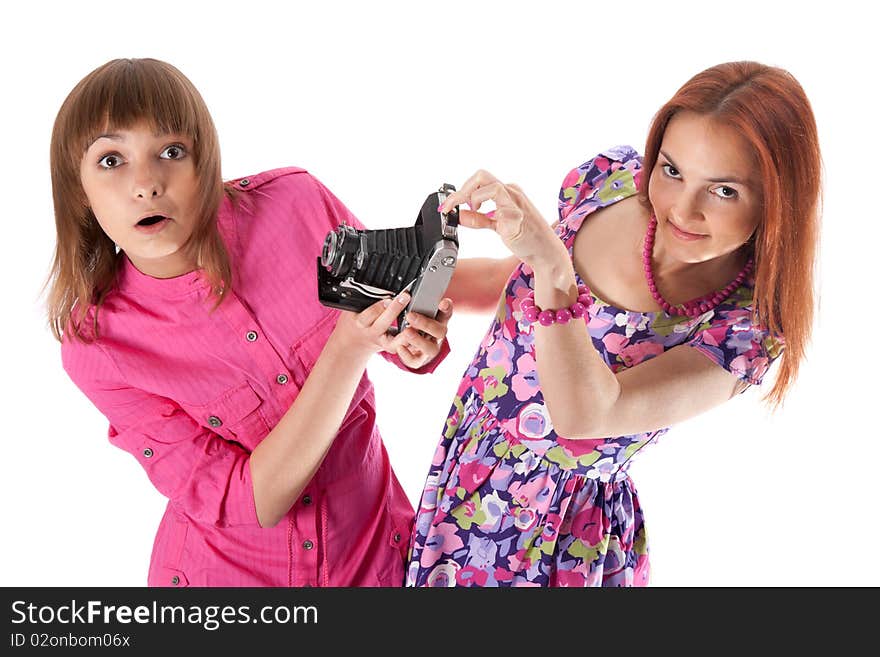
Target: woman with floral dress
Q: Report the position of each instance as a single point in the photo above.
(664, 289)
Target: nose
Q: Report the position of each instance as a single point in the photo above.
(146, 182)
(687, 210)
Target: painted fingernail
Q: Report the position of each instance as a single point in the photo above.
(490, 213)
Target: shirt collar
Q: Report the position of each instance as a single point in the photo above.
(132, 280)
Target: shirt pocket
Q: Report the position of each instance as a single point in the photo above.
(235, 415)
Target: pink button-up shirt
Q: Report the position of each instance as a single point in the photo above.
(190, 392)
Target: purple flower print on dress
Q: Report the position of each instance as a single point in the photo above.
(603, 469)
(494, 509)
(634, 322)
(752, 369)
(499, 354)
(443, 539)
(741, 340)
(533, 493)
(527, 462)
(551, 527)
(525, 381)
(533, 422)
(443, 575)
(559, 511)
(471, 576)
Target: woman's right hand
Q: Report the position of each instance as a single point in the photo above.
(515, 219)
(366, 333)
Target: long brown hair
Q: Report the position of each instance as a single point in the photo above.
(769, 109)
(120, 94)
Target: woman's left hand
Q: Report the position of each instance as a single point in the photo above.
(419, 343)
(516, 220)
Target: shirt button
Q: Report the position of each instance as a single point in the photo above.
(175, 580)
(148, 453)
(281, 379)
(251, 336)
(214, 421)
(244, 182)
(397, 537)
(307, 499)
(308, 545)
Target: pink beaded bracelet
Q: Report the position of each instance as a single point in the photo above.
(532, 313)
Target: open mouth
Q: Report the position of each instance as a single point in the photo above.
(151, 220)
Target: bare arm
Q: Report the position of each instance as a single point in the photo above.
(477, 283)
(285, 461)
(586, 399)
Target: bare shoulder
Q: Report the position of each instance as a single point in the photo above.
(607, 254)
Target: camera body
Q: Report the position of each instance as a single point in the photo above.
(357, 268)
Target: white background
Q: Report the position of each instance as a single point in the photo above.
(383, 102)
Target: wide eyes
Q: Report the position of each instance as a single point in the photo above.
(171, 152)
(110, 161)
(174, 152)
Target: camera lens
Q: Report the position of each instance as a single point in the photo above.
(341, 251)
(328, 252)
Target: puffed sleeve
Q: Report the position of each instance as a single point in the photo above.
(610, 176)
(204, 474)
(339, 213)
(732, 341)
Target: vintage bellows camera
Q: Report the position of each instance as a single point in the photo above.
(357, 268)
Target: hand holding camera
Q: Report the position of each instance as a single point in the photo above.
(358, 268)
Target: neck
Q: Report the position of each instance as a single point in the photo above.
(709, 274)
(689, 281)
(171, 266)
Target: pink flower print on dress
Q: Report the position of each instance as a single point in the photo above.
(588, 526)
(442, 538)
(525, 382)
(443, 575)
(614, 342)
(472, 474)
(470, 576)
(524, 519)
(499, 354)
(634, 354)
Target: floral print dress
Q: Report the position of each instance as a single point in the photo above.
(508, 501)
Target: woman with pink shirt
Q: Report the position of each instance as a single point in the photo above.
(188, 313)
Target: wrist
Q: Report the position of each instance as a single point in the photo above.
(554, 281)
(553, 267)
(344, 352)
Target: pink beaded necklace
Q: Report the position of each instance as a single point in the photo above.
(696, 306)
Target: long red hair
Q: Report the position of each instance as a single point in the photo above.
(769, 109)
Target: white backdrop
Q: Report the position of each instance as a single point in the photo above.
(384, 101)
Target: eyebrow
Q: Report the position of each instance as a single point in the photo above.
(732, 179)
(117, 137)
